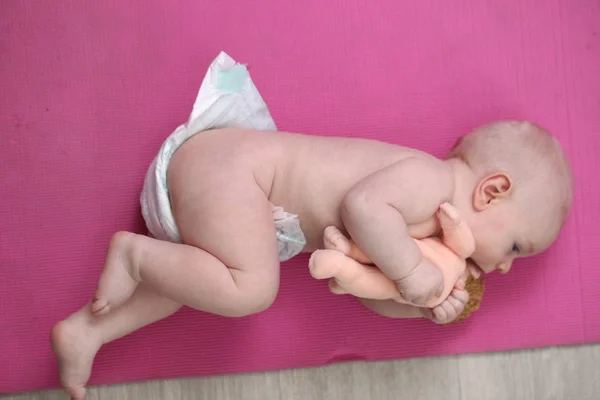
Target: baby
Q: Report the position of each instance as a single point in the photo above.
(509, 180)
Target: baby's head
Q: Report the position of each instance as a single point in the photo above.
(514, 189)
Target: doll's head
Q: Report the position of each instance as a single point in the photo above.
(513, 188)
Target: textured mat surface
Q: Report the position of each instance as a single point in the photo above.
(88, 91)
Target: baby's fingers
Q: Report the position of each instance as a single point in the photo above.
(444, 313)
(460, 295)
(450, 308)
(457, 307)
(439, 314)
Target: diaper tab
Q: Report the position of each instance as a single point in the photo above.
(290, 238)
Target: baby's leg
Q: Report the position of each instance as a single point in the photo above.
(393, 309)
(229, 264)
(77, 339)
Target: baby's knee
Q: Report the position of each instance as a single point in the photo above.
(261, 302)
(255, 300)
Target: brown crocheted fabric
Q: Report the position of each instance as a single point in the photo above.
(476, 288)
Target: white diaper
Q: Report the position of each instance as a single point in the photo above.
(227, 99)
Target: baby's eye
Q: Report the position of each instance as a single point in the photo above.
(516, 248)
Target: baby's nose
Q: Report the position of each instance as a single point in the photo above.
(504, 267)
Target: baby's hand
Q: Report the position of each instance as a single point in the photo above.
(450, 308)
(424, 283)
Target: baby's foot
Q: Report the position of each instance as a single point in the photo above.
(75, 345)
(117, 283)
(335, 240)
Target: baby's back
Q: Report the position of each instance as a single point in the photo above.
(306, 175)
(318, 171)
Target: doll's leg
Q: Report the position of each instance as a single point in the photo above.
(335, 240)
(229, 264)
(77, 339)
(350, 276)
(335, 287)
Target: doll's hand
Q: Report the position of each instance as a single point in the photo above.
(448, 216)
(473, 269)
(424, 283)
(450, 308)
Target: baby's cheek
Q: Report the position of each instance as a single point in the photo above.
(485, 254)
(482, 247)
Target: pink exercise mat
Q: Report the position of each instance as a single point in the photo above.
(89, 90)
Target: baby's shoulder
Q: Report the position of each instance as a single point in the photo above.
(420, 174)
(423, 166)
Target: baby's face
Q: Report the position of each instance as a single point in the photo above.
(511, 230)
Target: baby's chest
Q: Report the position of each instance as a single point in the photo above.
(430, 227)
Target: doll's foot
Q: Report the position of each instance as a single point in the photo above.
(117, 283)
(335, 240)
(75, 345)
(335, 288)
(324, 264)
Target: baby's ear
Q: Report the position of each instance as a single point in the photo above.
(491, 189)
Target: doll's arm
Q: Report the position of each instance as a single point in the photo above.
(456, 233)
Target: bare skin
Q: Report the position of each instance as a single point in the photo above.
(221, 198)
(212, 185)
(77, 339)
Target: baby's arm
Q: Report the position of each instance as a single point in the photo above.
(377, 210)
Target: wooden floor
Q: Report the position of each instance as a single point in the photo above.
(568, 373)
